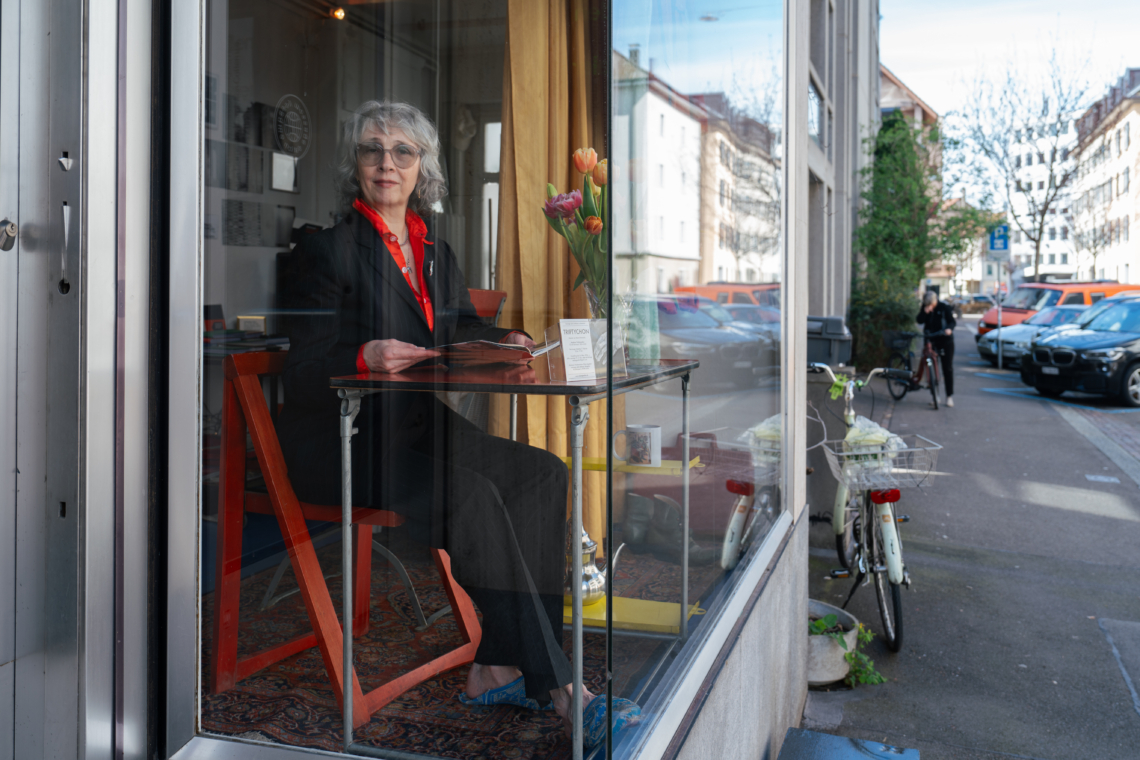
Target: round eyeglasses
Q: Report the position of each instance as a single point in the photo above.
(372, 154)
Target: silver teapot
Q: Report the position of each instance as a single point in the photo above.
(593, 579)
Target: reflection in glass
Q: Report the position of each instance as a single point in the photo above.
(697, 207)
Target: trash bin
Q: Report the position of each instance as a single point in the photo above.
(829, 341)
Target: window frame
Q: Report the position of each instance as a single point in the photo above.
(182, 677)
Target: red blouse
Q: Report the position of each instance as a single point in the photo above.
(417, 232)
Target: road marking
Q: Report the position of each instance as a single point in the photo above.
(993, 376)
(1128, 632)
(1102, 478)
(1032, 395)
(1110, 448)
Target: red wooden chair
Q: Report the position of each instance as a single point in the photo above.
(244, 408)
(488, 303)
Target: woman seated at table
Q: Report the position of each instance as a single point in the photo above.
(375, 293)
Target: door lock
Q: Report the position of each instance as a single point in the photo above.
(8, 232)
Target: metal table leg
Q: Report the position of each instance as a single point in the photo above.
(684, 508)
(514, 416)
(349, 408)
(578, 417)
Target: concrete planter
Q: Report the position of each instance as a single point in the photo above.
(826, 663)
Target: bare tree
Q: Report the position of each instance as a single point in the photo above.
(1091, 233)
(1013, 124)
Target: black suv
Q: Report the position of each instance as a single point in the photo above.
(1101, 356)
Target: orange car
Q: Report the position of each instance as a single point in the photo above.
(760, 294)
(1032, 297)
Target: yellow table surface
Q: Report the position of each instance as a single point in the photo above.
(635, 615)
(668, 466)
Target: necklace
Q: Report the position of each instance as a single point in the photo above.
(394, 239)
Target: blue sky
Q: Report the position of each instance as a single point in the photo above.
(737, 51)
(937, 48)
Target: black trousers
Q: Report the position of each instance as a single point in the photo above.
(945, 347)
(503, 505)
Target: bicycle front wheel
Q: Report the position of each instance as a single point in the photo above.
(889, 594)
(932, 369)
(898, 388)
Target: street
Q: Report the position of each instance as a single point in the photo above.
(1024, 559)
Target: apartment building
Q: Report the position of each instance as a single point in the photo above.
(1106, 199)
(1043, 148)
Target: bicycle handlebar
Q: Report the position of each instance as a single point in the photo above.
(893, 374)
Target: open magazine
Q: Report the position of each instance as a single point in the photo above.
(489, 352)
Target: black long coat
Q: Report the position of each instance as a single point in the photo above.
(341, 289)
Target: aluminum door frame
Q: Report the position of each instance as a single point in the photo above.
(56, 582)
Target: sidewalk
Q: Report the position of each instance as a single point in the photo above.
(1016, 556)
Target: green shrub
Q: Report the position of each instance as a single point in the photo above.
(877, 304)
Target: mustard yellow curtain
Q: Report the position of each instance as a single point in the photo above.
(546, 115)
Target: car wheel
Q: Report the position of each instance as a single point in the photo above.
(992, 360)
(1130, 388)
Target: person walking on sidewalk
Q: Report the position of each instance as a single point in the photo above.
(936, 317)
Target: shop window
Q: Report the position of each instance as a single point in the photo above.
(374, 172)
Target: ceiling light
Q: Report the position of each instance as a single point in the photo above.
(337, 13)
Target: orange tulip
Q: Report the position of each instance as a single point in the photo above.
(593, 225)
(585, 159)
(601, 173)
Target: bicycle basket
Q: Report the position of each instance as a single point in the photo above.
(897, 340)
(905, 461)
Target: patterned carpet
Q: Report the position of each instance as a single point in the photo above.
(292, 701)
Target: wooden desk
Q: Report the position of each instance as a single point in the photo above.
(514, 380)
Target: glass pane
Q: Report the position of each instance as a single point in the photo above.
(696, 142)
(375, 177)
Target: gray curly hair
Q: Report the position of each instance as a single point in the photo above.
(929, 297)
(386, 116)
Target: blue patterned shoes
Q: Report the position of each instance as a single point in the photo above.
(626, 713)
(513, 693)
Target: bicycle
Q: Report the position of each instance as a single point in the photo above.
(902, 357)
(873, 474)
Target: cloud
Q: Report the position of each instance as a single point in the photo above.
(937, 47)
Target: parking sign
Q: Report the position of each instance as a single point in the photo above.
(999, 238)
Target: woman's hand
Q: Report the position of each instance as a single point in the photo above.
(519, 339)
(949, 331)
(393, 355)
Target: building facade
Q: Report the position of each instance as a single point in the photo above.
(1041, 149)
(843, 112)
(1106, 202)
(179, 181)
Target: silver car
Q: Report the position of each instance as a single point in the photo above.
(1016, 339)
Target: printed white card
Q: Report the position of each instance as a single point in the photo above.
(577, 349)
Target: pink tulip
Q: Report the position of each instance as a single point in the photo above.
(563, 206)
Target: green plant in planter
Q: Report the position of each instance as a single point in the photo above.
(862, 666)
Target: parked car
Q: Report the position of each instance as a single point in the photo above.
(748, 312)
(955, 303)
(726, 353)
(1032, 297)
(761, 294)
(767, 333)
(1101, 356)
(1016, 339)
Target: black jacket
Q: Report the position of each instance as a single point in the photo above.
(939, 319)
(340, 289)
